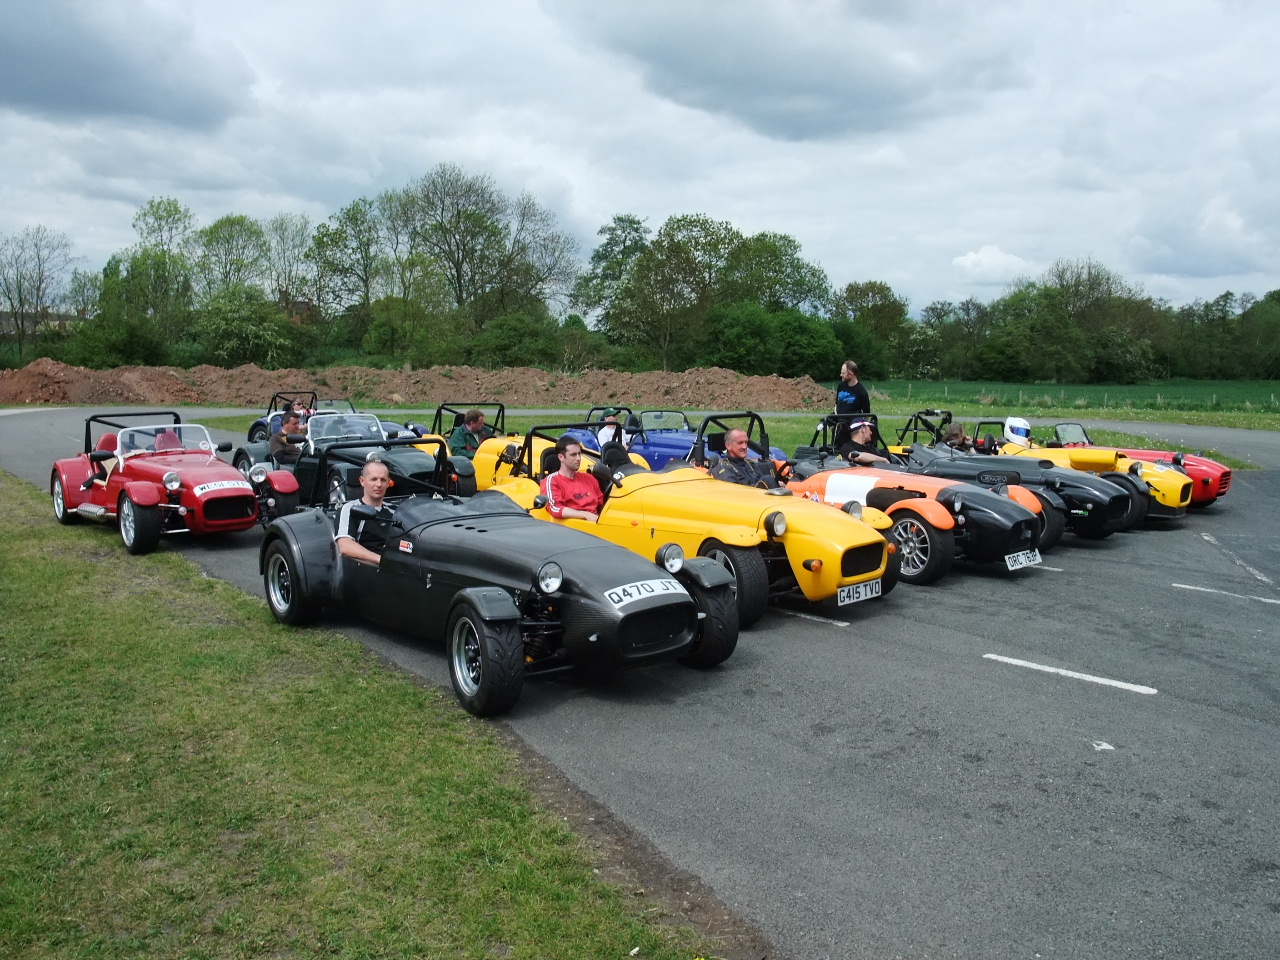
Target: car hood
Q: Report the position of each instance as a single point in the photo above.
(197, 470)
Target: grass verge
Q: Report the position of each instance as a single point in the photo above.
(182, 777)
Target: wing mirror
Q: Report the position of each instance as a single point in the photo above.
(539, 502)
(364, 511)
(604, 475)
(292, 438)
(510, 455)
(224, 446)
(102, 456)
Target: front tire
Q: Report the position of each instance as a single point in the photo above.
(139, 526)
(1139, 498)
(717, 631)
(283, 585)
(244, 463)
(337, 487)
(486, 661)
(1052, 525)
(60, 512)
(751, 579)
(286, 503)
(926, 551)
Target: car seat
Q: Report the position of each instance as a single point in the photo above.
(107, 441)
(167, 440)
(549, 464)
(715, 442)
(614, 456)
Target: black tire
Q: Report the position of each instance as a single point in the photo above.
(283, 587)
(1052, 525)
(892, 574)
(286, 503)
(243, 463)
(751, 579)
(486, 661)
(926, 552)
(60, 512)
(467, 487)
(717, 631)
(1139, 498)
(336, 488)
(258, 433)
(139, 526)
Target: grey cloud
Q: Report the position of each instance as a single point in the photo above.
(796, 74)
(65, 58)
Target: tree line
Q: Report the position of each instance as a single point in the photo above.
(449, 269)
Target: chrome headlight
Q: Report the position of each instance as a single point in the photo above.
(670, 557)
(1136, 468)
(775, 524)
(258, 473)
(172, 481)
(550, 577)
(957, 504)
(853, 508)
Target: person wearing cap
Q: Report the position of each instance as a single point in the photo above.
(467, 436)
(611, 430)
(859, 449)
(851, 395)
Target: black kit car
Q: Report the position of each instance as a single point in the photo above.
(509, 595)
(1090, 506)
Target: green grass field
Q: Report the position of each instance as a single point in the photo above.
(182, 777)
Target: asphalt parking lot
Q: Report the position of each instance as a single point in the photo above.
(1077, 760)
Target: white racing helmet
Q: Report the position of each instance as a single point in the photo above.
(1017, 430)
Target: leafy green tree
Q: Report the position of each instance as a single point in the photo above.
(625, 238)
(518, 340)
(231, 254)
(165, 225)
(34, 268)
(348, 258)
(767, 269)
(288, 275)
(240, 325)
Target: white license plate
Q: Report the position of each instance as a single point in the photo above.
(858, 591)
(1023, 558)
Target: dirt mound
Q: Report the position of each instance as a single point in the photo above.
(47, 381)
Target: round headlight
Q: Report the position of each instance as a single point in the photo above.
(550, 577)
(775, 524)
(258, 473)
(172, 481)
(671, 557)
(1136, 468)
(957, 505)
(853, 508)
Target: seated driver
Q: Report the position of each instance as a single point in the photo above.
(955, 437)
(860, 447)
(361, 538)
(572, 493)
(734, 467)
(1017, 431)
(468, 435)
(612, 430)
(280, 449)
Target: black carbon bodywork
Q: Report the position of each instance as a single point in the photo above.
(1091, 505)
(489, 550)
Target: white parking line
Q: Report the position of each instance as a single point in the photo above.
(1236, 560)
(1135, 688)
(1054, 569)
(810, 616)
(1238, 596)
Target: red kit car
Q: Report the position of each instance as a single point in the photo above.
(1209, 478)
(162, 478)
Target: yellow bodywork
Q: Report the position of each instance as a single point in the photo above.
(1166, 485)
(688, 507)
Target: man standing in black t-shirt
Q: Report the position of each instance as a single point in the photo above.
(851, 396)
(358, 537)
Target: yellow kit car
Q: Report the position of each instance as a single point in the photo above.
(773, 543)
(1157, 490)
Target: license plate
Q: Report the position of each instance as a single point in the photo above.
(1023, 558)
(858, 591)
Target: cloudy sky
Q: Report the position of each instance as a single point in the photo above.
(943, 147)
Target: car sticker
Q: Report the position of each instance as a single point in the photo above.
(642, 590)
(204, 488)
(406, 546)
(843, 487)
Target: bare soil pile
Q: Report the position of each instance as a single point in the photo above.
(47, 381)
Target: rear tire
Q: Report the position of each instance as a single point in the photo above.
(751, 578)
(1052, 524)
(60, 512)
(1139, 498)
(244, 463)
(284, 588)
(717, 631)
(258, 433)
(139, 526)
(286, 503)
(337, 487)
(486, 661)
(926, 551)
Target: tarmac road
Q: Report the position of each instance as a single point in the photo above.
(876, 784)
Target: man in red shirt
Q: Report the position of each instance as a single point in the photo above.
(572, 494)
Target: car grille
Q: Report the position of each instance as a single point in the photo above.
(859, 560)
(1117, 508)
(1225, 484)
(229, 508)
(649, 631)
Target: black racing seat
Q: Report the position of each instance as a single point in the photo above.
(614, 456)
(715, 442)
(549, 464)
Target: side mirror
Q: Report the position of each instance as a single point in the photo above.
(224, 446)
(393, 434)
(510, 455)
(292, 438)
(364, 511)
(540, 502)
(102, 456)
(604, 475)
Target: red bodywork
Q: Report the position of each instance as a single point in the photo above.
(214, 496)
(1209, 478)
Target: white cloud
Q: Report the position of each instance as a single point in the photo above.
(991, 265)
